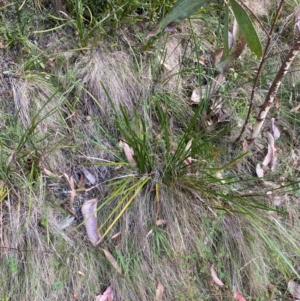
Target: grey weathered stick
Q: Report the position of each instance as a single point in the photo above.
(265, 107)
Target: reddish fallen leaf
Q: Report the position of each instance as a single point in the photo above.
(159, 292)
(106, 296)
(239, 297)
(214, 277)
(112, 261)
(89, 210)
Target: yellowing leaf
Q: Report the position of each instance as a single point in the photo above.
(112, 261)
(214, 277)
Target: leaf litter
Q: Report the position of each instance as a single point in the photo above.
(89, 210)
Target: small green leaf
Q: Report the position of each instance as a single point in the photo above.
(181, 10)
(246, 28)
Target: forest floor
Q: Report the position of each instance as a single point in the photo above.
(120, 174)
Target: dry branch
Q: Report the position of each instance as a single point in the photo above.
(265, 107)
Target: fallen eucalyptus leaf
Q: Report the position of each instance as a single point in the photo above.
(259, 170)
(294, 288)
(159, 292)
(214, 277)
(89, 210)
(275, 129)
(160, 222)
(128, 151)
(106, 296)
(89, 176)
(238, 296)
(112, 261)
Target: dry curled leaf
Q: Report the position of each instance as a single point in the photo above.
(214, 276)
(195, 98)
(159, 292)
(198, 94)
(238, 296)
(116, 235)
(128, 151)
(160, 222)
(89, 176)
(295, 109)
(71, 183)
(275, 129)
(49, 173)
(271, 157)
(88, 210)
(294, 288)
(170, 27)
(112, 261)
(106, 296)
(259, 170)
(189, 160)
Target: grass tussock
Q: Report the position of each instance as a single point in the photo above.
(116, 72)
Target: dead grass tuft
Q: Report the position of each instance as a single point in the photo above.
(115, 70)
